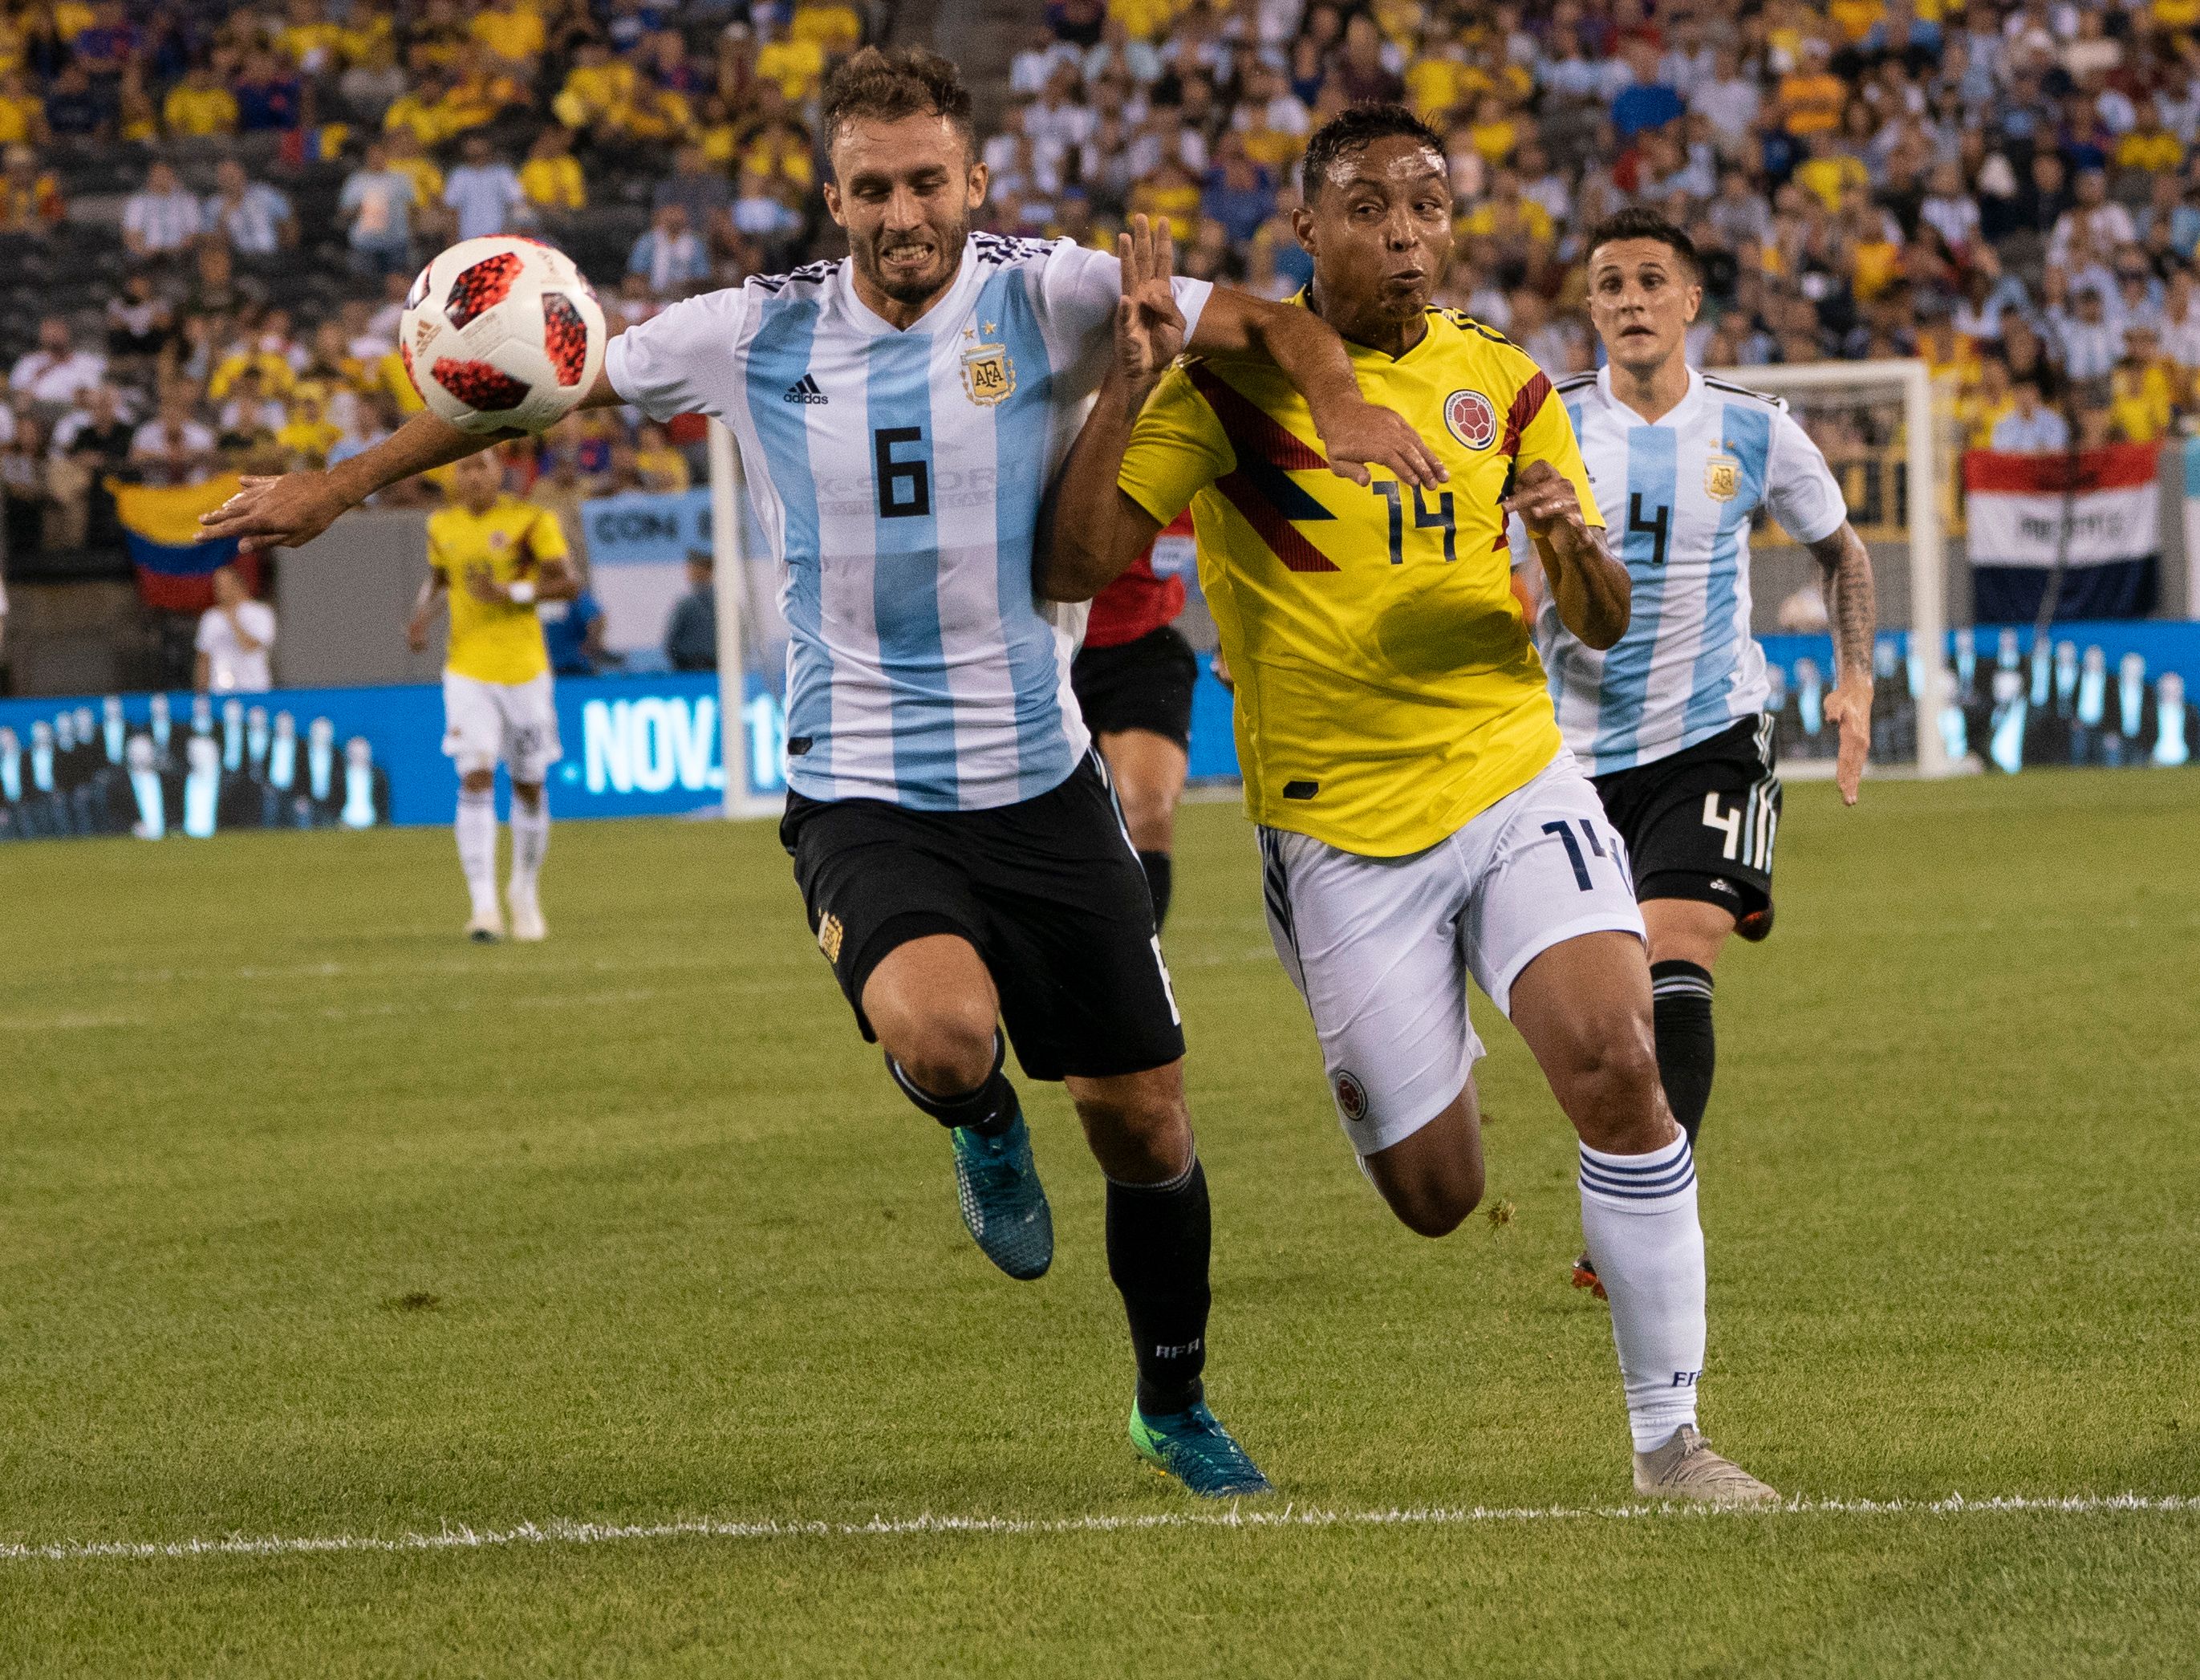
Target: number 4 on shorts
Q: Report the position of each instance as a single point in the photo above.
(1727, 822)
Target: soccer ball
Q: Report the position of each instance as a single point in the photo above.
(501, 333)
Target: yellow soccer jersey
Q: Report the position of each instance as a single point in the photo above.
(490, 641)
(1388, 690)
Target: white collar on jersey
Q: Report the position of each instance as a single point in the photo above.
(1679, 414)
(957, 297)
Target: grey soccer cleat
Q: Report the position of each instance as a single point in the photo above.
(1686, 1467)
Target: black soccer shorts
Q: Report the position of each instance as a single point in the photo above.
(1701, 823)
(1144, 684)
(1048, 890)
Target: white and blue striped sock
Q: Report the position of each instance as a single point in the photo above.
(1639, 1215)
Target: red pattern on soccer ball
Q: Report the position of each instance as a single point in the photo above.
(565, 336)
(404, 355)
(483, 388)
(482, 287)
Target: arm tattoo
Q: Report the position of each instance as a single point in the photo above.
(1851, 601)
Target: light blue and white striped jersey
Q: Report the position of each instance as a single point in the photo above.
(897, 475)
(1676, 498)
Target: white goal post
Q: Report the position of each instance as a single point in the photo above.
(729, 588)
(1908, 383)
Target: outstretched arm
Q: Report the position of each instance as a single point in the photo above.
(292, 510)
(1591, 589)
(1851, 604)
(1091, 531)
(1355, 433)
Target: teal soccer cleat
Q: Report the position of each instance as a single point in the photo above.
(1003, 1204)
(1195, 1449)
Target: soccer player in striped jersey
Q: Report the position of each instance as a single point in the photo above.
(1670, 723)
(898, 414)
(1421, 820)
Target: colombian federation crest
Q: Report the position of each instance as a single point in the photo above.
(1351, 1096)
(989, 376)
(1471, 417)
(1721, 478)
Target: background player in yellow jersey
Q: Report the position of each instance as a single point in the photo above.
(494, 557)
(1421, 819)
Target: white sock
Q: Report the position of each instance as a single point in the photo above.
(531, 839)
(477, 829)
(1639, 1214)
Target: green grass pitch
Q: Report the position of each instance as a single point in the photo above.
(317, 1222)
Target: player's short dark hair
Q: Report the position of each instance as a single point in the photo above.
(886, 84)
(1637, 222)
(1355, 130)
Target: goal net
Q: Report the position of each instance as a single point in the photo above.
(1895, 457)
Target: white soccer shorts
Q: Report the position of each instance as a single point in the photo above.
(1381, 947)
(514, 722)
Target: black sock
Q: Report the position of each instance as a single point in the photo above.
(1158, 1237)
(989, 1110)
(1680, 1005)
(1161, 876)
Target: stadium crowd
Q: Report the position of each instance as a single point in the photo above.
(231, 199)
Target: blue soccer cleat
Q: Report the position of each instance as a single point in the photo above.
(1003, 1204)
(1195, 1449)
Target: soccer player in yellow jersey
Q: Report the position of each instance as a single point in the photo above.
(1420, 818)
(494, 557)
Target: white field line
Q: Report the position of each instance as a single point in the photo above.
(560, 1532)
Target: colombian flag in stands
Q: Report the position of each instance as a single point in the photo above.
(175, 569)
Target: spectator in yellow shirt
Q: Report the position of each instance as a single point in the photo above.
(551, 178)
(307, 38)
(198, 106)
(663, 468)
(596, 88)
(780, 150)
(2142, 392)
(834, 26)
(1170, 192)
(512, 31)
(418, 112)
(1494, 133)
(2150, 146)
(367, 28)
(1855, 18)
(22, 113)
(405, 154)
(796, 66)
(1811, 99)
(1828, 174)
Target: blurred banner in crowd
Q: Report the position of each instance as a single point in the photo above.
(638, 546)
(2095, 512)
(154, 765)
(2106, 693)
(161, 524)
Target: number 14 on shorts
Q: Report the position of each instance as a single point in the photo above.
(1597, 848)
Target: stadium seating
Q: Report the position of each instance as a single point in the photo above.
(2005, 189)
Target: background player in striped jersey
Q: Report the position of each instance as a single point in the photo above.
(1421, 820)
(494, 557)
(1134, 676)
(898, 414)
(1670, 723)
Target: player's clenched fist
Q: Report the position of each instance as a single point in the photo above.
(1545, 500)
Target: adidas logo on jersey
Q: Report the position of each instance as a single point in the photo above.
(804, 390)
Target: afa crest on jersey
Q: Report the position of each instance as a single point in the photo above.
(1721, 478)
(1471, 417)
(989, 376)
(829, 935)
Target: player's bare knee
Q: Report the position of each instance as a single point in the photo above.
(478, 781)
(528, 793)
(1435, 1208)
(1611, 1091)
(1137, 1128)
(946, 1046)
